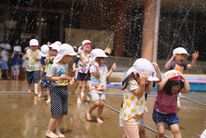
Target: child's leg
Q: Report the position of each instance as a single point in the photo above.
(58, 127)
(100, 110)
(40, 91)
(131, 127)
(48, 95)
(51, 126)
(91, 109)
(142, 132)
(79, 87)
(160, 130)
(36, 81)
(87, 91)
(175, 130)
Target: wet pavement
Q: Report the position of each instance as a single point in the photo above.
(25, 116)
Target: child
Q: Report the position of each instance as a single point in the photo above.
(165, 106)
(99, 74)
(58, 75)
(24, 62)
(83, 67)
(16, 62)
(44, 53)
(178, 62)
(33, 65)
(139, 79)
(4, 60)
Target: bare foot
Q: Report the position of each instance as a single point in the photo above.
(60, 135)
(89, 116)
(48, 100)
(88, 98)
(99, 120)
(39, 95)
(82, 95)
(79, 101)
(50, 134)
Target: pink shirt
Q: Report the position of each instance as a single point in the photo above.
(166, 103)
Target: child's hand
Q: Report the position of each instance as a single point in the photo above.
(155, 65)
(144, 76)
(108, 50)
(114, 66)
(95, 64)
(195, 55)
(72, 81)
(171, 75)
(63, 77)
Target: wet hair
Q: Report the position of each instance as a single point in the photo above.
(127, 79)
(168, 86)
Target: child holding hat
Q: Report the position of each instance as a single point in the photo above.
(58, 75)
(165, 106)
(178, 62)
(139, 79)
(16, 62)
(33, 65)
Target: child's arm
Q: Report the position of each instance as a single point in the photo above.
(186, 85)
(96, 73)
(168, 64)
(12, 55)
(74, 67)
(62, 77)
(140, 91)
(161, 85)
(157, 69)
(195, 55)
(114, 66)
(148, 88)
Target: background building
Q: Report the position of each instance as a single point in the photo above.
(120, 24)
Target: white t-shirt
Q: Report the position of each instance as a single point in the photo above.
(4, 55)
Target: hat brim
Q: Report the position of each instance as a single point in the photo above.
(153, 79)
(183, 54)
(73, 54)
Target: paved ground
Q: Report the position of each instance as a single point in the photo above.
(24, 115)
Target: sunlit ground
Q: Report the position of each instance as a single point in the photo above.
(24, 115)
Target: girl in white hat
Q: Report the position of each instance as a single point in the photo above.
(99, 73)
(139, 79)
(16, 62)
(82, 70)
(58, 75)
(178, 62)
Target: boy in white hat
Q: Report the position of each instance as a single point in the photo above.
(4, 60)
(33, 65)
(16, 62)
(178, 62)
(58, 75)
(99, 73)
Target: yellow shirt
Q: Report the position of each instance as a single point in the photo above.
(132, 105)
(32, 64)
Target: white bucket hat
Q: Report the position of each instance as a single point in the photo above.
(65, 49)
(143, 65)
(33, 42)
(180, 50)
(55, 47)
(98, 53)
(7, 46)
(44, 50)
(87, 42)
(17, 48)
(58, 43)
